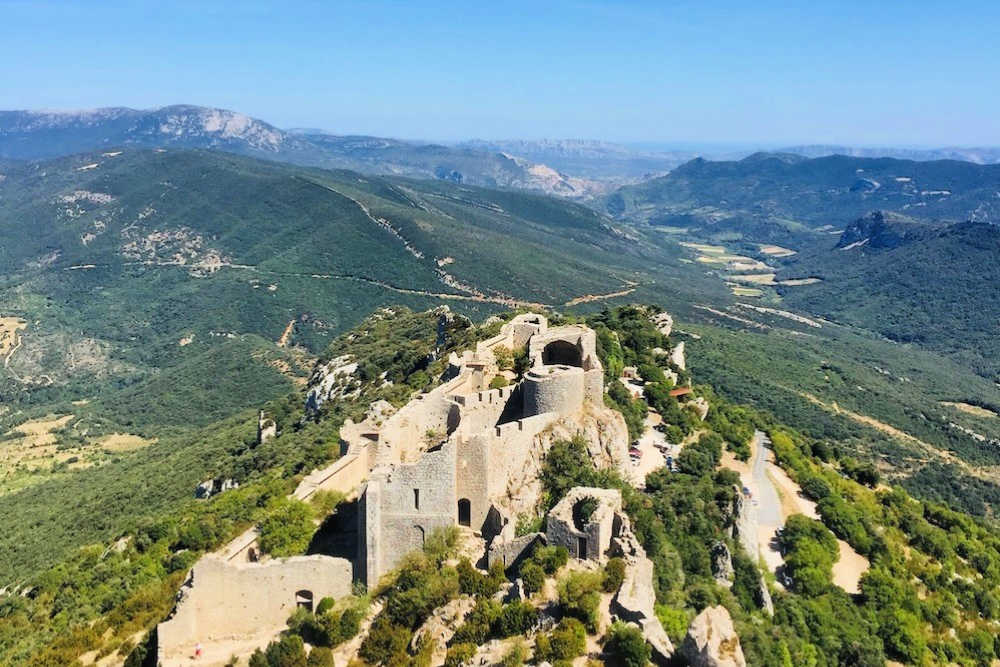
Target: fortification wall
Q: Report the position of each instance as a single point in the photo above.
(403, 504)
(472, 475)
(225, 601)
(404, 435)
(553, 389)
(345, 474)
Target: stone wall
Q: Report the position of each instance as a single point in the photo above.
(402, 505)
(224, 601)
(553, 389)
(598, 529)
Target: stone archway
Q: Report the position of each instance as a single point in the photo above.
(304, 599)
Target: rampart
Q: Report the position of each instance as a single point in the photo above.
(224, 601)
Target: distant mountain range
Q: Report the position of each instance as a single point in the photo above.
(39, 134)
(578, 169)
(982, 155)
(782, 196)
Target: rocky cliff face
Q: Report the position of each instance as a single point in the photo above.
(881, 230)
(607, 441)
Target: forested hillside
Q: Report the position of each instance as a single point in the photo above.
(932, 286)
(787, 198)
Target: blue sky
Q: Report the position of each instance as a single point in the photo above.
(892, 73)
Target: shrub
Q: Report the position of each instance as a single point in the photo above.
(498, 381)
(460, 654)
(627, 646)
(533, 577)
(384, 641)
(324, 502)
(614, 575)
(325, 605)
(566, 641)
(516, 618)
(579, 595)
(515, 657)
(478, 623)
(320, 657)
(551, 558)
(504, 357)
(675, 621)
(286, 652)
(287, 528)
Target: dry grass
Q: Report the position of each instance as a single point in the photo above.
(755, 278)
(123, 442)
(702, 247)
(800, 281)
(746, 291)
(968, 408)
(39, 432)
(9, 336)
(777, 251)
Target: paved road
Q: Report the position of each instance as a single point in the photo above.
(768, 502)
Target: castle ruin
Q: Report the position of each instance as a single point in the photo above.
(461, 454)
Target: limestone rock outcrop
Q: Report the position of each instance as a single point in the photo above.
(607, 442)
(762, 596)
(636, 598)
(677, 356)
(722, 564)
(712, 641)
(745, 524)
(441, 625)
(664, 322)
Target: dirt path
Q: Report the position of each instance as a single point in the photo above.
(650, 445)
(286, 334)
(587, 298)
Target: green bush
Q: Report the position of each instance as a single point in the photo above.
(516, 618)
(320, 656)
(459, 654)
(551, 558)
(627, 646)
(478, 624)
(286, 652)
(674, 621)
(579, 595)
(287, 528)
(614, 575)
(565, 642)
(385, 641)
(533, 577)
(499, 381)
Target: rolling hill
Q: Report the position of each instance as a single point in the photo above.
(126, 264)
(912, 281)
(786, 198)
